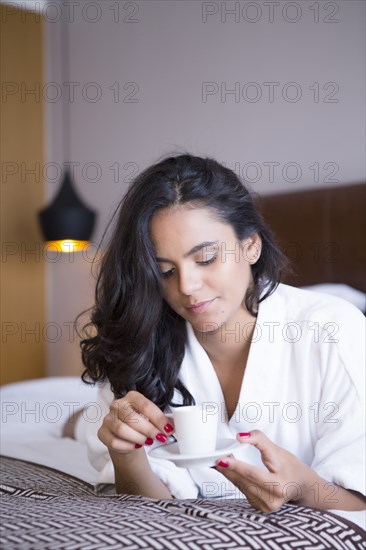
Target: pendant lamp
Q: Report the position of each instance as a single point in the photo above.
(67, 223)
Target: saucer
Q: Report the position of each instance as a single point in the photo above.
(171, 452)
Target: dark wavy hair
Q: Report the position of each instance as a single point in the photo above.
(138, 341)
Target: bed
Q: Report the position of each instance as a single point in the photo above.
(51, 496)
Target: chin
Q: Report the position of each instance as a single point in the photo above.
(207, 327)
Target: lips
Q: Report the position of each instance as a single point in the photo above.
(198, 307)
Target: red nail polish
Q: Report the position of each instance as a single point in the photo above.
(149, 441)
(137, 446)
(168, 428)
(244, 434)
(223, 464)
(161, 438)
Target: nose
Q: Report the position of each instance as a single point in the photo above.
(190, 281)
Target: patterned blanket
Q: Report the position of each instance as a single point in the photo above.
(43, 508)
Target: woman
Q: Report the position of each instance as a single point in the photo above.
(189, 309)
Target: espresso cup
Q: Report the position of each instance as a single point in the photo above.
(196, 428)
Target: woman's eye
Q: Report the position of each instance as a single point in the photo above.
(167, 274)
(170, 272)
(210, 261)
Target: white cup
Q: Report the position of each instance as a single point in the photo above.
(196, 428)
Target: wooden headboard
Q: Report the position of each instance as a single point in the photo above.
(323, 233)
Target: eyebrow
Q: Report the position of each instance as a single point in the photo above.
(193, 250)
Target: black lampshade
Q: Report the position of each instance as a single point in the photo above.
(67, 217)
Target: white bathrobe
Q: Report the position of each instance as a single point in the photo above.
(303, 386)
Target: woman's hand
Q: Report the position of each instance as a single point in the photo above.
(133, 421)
(287, 477)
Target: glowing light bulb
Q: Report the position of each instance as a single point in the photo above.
(67, 245)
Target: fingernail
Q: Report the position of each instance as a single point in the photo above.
(149, 441)
(161, 438)
(223, 464)
(168, 428)
(137, 446)
(244, 434)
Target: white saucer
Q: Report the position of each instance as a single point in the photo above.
(171, 452)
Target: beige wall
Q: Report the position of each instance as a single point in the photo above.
(22, 267)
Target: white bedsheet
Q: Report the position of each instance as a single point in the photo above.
(32, 417)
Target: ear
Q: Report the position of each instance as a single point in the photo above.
(252, 248)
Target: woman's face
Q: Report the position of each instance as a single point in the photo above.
(205, 268)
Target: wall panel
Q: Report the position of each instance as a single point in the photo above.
(22, 265)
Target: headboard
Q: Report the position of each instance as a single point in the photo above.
(323, 233)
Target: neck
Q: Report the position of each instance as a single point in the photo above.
(228, 343)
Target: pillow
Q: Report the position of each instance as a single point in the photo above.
(45, 402)
(356, 297)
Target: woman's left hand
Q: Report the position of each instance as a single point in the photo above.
(287, 477)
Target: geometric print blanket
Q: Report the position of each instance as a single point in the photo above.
(42, 508)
